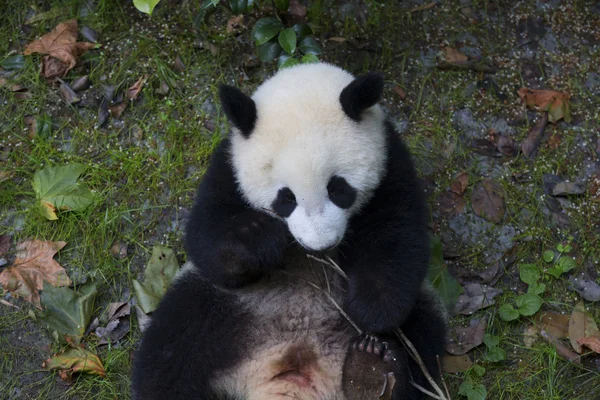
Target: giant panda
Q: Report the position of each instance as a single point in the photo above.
(311, 170)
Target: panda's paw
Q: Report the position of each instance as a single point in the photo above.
(372, 344)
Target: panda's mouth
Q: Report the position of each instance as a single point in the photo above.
(296, 377)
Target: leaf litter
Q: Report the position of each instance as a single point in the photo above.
(463, 339)
(487, 199)
(34, 264)
(75, 359)
(581, 326)
(160, 272)
(557, 104)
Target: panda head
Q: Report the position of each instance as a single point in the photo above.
(310, 146)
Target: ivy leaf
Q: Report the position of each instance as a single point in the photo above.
(566, 263)
(555, 272)
(286, 61)
(269, 51)
(160, 272)
(75, 360)
(445, 284)
(548, 256)
(529, 273)
(536, 288)
(529, 304)
(266, 29)
(282, 5)
(508, 313)
(309, 59)
(310, 46)
(66, 311)
(495, 354)
(57, 188)
(472, 391)
(478, 370)
(238, 6)
(491, 340)
(302, 30)
(287, 40)
(145, 6)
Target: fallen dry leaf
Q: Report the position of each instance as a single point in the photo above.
(450, 204)
(592, 343)
(555, 324)
(487, 199)
(4, 244)
(556, 103)
(75, 360)
(581, 325)
(561, 348)
(52, 68)
(454, 56)
(455, 364)
(117, 110)
(530, 145)
(400, 92)
(506, 145)
(61, 43)
(134, 91)
(461, 340)
(460, 183)
(33, 265)
(425, 6)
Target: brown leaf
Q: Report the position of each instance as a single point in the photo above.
(450, 204)
(4, 244)
(134, 91)
(506, 145)
(556, 103)
(561, 348)
(235, 25)
(454, 56)
(530, 145)
(61, 43)
(425, 6)
(461, 340)
(455, 364)
(179, 66)
(593, 343)
(117, 110)
(487, 199)
(33, 265)
(554, 323)
(297, 11)
(400, 92)
(75, 360)
(581, 325)
(52, 68)
(460, 183)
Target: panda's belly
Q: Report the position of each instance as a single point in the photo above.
(298, 340)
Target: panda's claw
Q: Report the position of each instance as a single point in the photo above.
(371, 344)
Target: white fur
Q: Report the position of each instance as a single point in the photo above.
(301, 139)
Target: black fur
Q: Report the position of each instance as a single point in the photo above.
(196, 331)
(362, 93)
(239, 108)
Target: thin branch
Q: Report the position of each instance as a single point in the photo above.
(337, 306)
(427, 392)
(6, 303)
(437, 356)
(331, 263)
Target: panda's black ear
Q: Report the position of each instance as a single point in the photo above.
(239, 108)
(361, 93)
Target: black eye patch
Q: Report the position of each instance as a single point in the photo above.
(284, 203)
(340, 192)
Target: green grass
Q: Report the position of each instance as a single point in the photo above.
(144, 168)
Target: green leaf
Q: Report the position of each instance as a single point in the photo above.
(282, 5)
(508, 313)
(13, 62)
(472, 391)
(447, 287)
(285, 61)
(159, 274)
(491, 340)
(495, 354)
(266, 29)
(529, 304)
(238, 6)
(302, 30)
(478, 370)
(145, 6)
(309, 59)
(75, 360)
(566, 263)
(548, 256)
(561, 248)
(529, 273)
(555, 272)
(66, 311)
(287, 40)
(269, 51)
(57, 188)
(309, 46)
(536, 288)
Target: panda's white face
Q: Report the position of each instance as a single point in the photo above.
(305, 159)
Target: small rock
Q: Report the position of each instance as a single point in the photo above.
(507, 146)
(80, 84)
(108, 91)
(103, 113)
(163, 88)
(550, 181)
(210, 125)
(68, 94)
(179, 66)
(137, 132)
(567, 188)
(586, 288)
(90, 34)
(119, 250)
